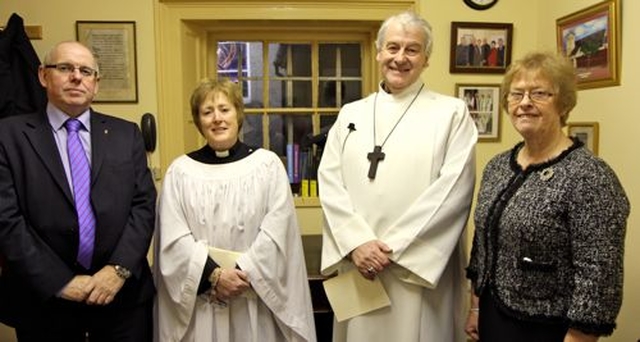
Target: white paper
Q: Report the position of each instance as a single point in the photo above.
(350, 295)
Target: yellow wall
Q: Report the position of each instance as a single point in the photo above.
(534, 28)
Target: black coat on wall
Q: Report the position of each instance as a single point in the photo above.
(20, 89)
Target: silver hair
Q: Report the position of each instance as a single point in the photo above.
(408, 18)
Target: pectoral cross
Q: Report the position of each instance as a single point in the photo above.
(374, 158)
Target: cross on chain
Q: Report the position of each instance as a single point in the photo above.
(374, 158)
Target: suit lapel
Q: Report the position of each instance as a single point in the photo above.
(38, 132)
(99, 141)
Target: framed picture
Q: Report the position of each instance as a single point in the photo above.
(590, 39)
(114, 44)
(587, 132)
(480, 48)
(483, 102)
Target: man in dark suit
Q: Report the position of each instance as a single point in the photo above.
(51, 288)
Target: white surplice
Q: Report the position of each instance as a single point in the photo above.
(244, 206)
(418, 204)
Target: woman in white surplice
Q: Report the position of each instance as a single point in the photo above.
(233, 200)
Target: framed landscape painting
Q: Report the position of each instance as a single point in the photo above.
(590, 38)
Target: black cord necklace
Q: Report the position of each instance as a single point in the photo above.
(377, 155)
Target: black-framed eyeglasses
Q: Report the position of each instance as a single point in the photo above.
(534, 95)
(66, 68)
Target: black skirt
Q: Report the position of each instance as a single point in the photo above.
(496, 326)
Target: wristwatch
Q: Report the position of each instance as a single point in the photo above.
(122, 272)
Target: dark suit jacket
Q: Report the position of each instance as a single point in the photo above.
(38, 222)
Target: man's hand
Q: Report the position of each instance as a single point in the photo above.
(371, 258)
(75, 290)
(103, 286)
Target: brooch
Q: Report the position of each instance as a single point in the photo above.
(546, 174)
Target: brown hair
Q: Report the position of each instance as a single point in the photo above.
(224, 86)
(557, 69)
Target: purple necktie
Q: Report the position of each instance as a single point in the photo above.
(81, 179)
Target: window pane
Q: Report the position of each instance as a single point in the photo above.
(290, 60)
(351, 60)
(330, 95)
(327, 59)
(242, 63)
(232, 59)
(326, 122)
(278, 56)
(288, 129)
(255, 59)
(252, 130)
(286, 94)
(352, 92)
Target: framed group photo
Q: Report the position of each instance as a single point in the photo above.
(590, 39)
(480, 48)
(587, 132)
(483, 102)
(114, 44)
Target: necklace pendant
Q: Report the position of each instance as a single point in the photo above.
(374, 158)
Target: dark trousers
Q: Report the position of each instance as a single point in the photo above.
(93, 324)
(497, 326)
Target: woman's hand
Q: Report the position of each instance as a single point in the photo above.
(471, 328)
(574, 335)
(232, 283)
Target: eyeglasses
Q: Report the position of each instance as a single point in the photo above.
(535, 96)
(66, 68)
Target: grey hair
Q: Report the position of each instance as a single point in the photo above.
(407, 18)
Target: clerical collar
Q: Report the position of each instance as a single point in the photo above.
(408, 91)
(208, 155)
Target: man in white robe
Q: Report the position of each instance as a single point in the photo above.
(401, 218)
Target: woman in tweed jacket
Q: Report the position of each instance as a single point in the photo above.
(547, 256)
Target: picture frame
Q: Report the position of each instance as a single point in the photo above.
(483, 102)
(587, 132)
(590, 38)
(114, 45)
(491, 53)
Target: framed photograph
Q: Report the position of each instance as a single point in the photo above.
(483, 102)
(587, 132)
(114, 44)
(590, 39)
(480, 48)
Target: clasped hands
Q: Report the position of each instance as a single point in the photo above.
(98, 289)
(371, 258)
(230, 284)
